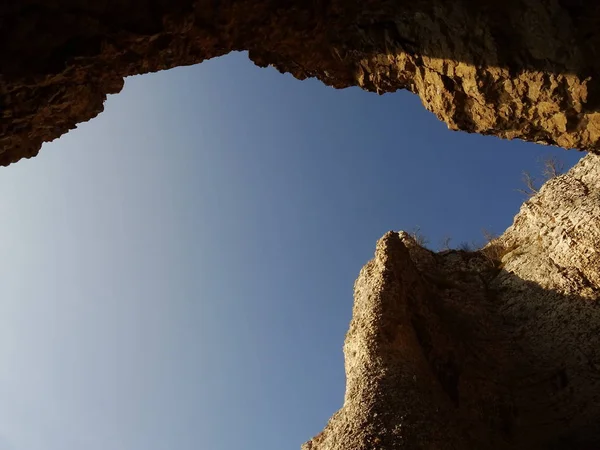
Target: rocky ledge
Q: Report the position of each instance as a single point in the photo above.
(527, 69)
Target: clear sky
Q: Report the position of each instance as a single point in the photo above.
(177, 273)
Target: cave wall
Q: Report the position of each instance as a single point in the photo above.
(526, 69)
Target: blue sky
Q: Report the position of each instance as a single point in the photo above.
(177, 273)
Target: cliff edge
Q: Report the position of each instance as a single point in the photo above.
(497, 348)
(527, 69)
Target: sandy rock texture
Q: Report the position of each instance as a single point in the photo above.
(491, 349)
(525, 69)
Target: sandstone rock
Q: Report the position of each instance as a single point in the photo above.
(525, 69)
(495, 349)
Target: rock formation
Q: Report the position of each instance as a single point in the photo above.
(497, 348)
(527, 69)
(491, 349)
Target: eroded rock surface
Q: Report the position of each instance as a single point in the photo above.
(526, 69)
(493, 349)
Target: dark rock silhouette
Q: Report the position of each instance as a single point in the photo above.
(525, 69)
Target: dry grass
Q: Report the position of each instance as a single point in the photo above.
(551, 167)
(494, 249)
(419, 237)
(445, 245)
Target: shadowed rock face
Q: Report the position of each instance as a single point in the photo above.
(494, 349)
(525, 69)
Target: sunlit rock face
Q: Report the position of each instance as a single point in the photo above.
(525, 69)
(491, 349)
